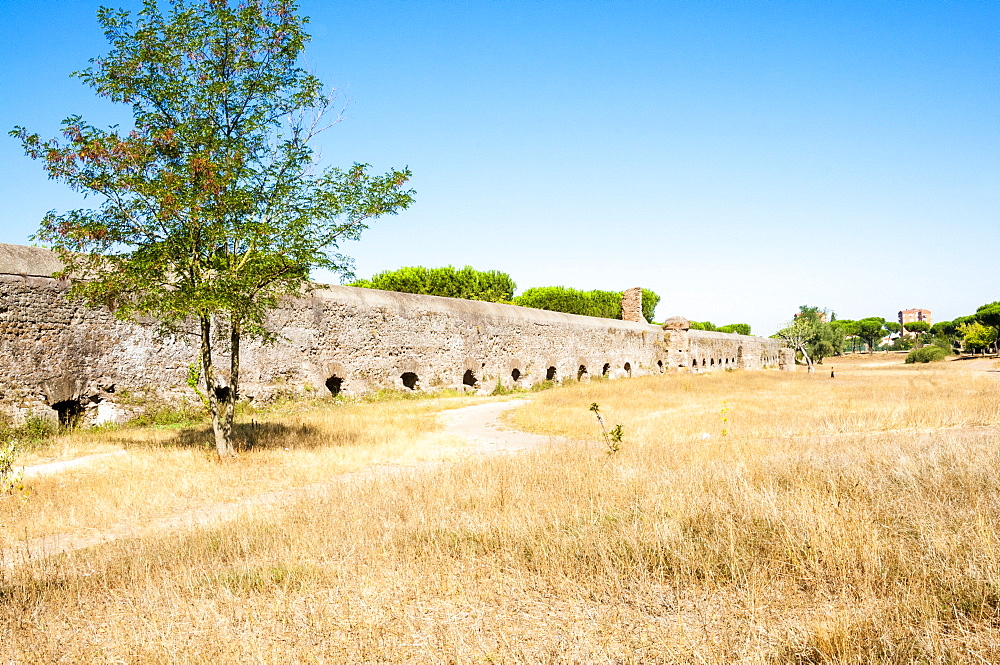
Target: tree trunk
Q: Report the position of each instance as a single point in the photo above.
(220, 401)
(809, 362)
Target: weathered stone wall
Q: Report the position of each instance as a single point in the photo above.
(703, 351)
(632, 305)
(337, 339)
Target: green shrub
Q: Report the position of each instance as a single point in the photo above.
(902, 344)
(943, 343)
(736, 328)
(602, 304)
(467, 283)
(926, 354)
(650, 300)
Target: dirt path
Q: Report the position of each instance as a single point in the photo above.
(65, 465)
(478, 424)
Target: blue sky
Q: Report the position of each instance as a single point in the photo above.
(739, 158)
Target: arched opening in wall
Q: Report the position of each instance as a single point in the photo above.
(703, 362)
(712, 364)
(659, 363)
(550, 374)
(515, 374)
(469, 378)
(581, 372)
(410, 380)
(70, 411)
(628, 368)
(605, 369)
(334, 384)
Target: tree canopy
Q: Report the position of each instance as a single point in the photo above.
(212, 207)
(467, 282)
(871, 330)
(604, 304)
(976, 336)
(917, 327)
(737, 328)
(814, 333)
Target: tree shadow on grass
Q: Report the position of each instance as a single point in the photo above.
(254, 436)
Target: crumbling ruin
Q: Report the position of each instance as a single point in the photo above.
(66, 361)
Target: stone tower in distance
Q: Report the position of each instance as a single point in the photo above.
(632, 305)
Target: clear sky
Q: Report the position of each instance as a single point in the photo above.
(739, 158)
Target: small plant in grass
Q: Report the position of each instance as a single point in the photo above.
(10, 479)
(37, 429)
(723, 414)
(613, 438)
(501, 389)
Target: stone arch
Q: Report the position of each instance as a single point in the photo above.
(514, 367)
(551, 374)
(628, 368)
(581, 373)
(67, 396)
(605, 369)
(410, 380)
(659, 363)
(332, 376)
(70, 412)
(334, 384)
(469, 379)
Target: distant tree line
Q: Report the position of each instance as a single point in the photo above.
(496, 286)
(975, 333)
(450, 282)
(814, 338)
(737, 328)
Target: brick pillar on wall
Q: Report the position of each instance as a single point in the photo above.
(632, 305)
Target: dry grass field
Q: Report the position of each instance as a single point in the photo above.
(749, 518)
(171, 469)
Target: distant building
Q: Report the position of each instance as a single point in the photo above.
(911, 315)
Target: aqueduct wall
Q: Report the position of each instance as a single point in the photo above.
(57, 352)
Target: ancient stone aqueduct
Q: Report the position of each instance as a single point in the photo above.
(59, 355)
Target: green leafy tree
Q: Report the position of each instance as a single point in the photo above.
(212, 207)
(707, 326)
(650, 299)
(736, 328)
(917, 327)
(848, 331)
(989, 315)
(945, 329)
(977, 337)
(893, 327)
(467, 282)
(798, 334)
(871, 330)
(603, 304)
(826, 339)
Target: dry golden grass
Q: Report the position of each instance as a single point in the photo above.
(174, 469)
(864, 397)
(785, 541)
